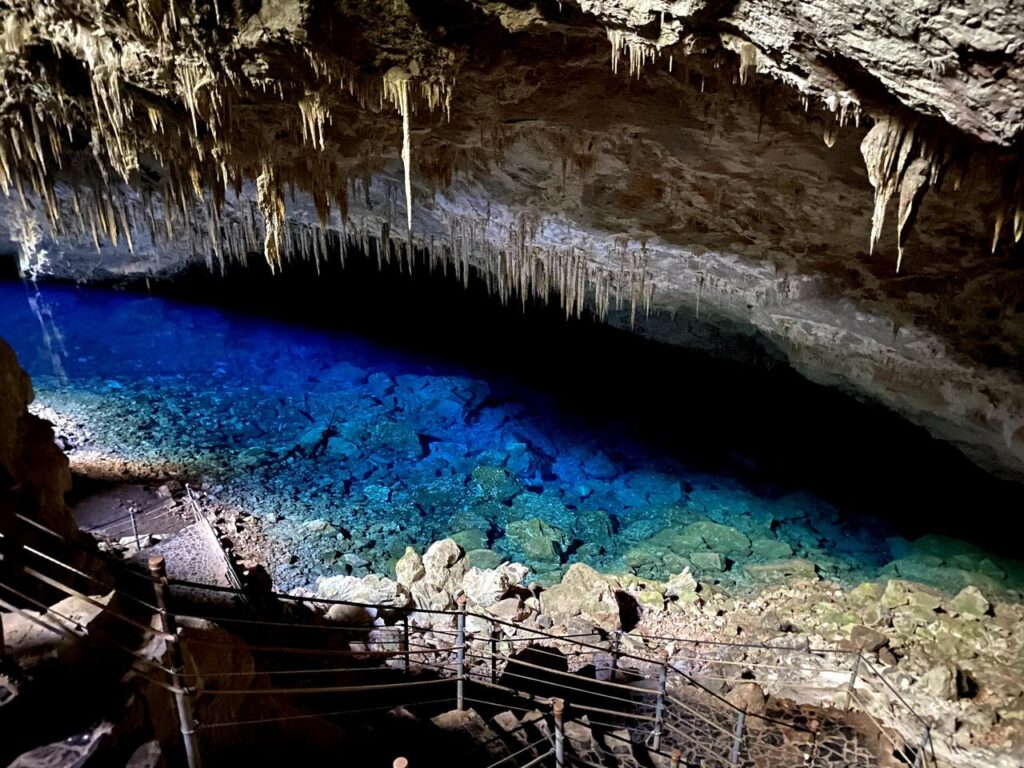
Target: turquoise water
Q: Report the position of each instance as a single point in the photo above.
(350, 450)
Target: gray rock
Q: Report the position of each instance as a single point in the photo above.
(708, 562)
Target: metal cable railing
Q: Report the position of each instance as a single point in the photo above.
(485, 660)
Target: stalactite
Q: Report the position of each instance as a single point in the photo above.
(397, 82)
(271, 205)
(636, 49)
(905, 157)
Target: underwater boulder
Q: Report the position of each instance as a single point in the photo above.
(770, 549)
(535, 540)
(496, 483)
(782, 570)
(719, 538)
(593, 527)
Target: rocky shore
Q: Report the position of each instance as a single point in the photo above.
(954, 658)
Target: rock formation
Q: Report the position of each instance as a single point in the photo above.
(34, 474)
(841, 183)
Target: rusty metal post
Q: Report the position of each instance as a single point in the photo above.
(558, 712)
(737, 738)
(494, 653)
(659, 704)
(405, 643)
(460, 655)
(853, 680)
(186, 720)
(676, 757)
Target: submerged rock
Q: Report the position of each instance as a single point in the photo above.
(534, 540)
(781, 570)
(971, 602)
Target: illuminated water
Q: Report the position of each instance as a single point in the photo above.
(352, 450)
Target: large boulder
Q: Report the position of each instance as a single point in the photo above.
(409, 568)
(582, 592)
(444, 565)
(534, 540)
(372, 590)
(496, 483)
(971, 602)
(486, 587)
(719, 538)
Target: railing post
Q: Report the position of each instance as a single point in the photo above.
(616, 641)
(186, 720)
(853, 680)
(460, 655)
(921, 758)
(676, 757)
(494, 653)
(135, 529)
(558, 710)
(659, 705)
(405, 642)
(737, 738)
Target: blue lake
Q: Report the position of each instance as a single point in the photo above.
(351, 450)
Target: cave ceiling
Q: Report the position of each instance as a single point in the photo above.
(840, 182)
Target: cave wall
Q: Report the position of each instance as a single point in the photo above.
(34, 472)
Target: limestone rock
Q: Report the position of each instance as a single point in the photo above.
(444, 565)
(372, 589)
(939, 682)
(867, 639)
(682, 586)
(509, 609)
(486, 587)
(409, 568)
(781, 570)
(582, 592)
(749, 697)
(971, 602)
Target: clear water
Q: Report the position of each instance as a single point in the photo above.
(349, 451)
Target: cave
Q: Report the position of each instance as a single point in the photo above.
(644, 377)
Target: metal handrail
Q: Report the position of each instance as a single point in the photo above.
(535, 635)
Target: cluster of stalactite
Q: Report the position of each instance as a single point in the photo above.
(152, 171)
